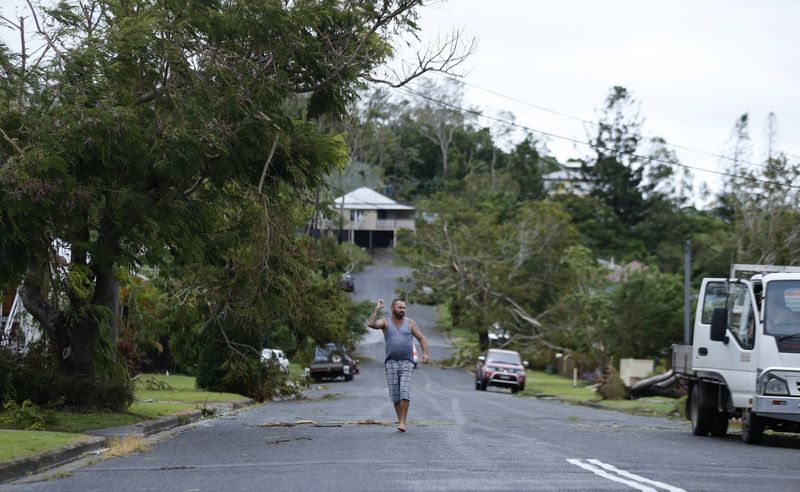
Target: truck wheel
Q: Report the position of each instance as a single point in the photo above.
(752, 427)
(719, 424)
(700, 416)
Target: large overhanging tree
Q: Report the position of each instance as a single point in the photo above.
(128, 127)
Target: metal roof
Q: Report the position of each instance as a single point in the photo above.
(368, 199)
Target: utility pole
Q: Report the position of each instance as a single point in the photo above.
(687, 300)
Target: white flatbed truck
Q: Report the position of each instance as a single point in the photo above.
(744, 357)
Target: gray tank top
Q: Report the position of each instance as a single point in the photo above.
(399, 341)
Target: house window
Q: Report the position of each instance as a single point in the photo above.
(382, 214)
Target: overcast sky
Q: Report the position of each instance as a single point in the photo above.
(694, 66)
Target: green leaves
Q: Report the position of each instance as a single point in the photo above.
(183, 137)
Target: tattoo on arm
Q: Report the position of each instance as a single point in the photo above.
(372, 322)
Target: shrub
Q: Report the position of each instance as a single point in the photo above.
(150, 383)
(127, 351)
(27, 416)
(27, 376)
(612, 388)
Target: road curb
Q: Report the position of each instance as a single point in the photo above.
(96, 440)
(46, 460)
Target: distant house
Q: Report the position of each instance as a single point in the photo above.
(569, 179)
(17, 328)
(618, 272)
(369, 219)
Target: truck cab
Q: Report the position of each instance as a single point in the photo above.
(744, 360)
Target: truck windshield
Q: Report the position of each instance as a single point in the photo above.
(782, 313)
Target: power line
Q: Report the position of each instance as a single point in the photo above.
(453, 107)
(592, 123)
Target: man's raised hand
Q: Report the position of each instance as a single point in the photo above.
(372, 322)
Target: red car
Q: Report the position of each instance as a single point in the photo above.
(502, 368)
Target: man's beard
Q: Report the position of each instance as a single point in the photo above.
(399, 314)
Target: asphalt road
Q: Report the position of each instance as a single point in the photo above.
(458, 439)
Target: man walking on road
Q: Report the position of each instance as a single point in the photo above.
(399, 363)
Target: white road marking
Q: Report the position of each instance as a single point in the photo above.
(636, 477)
(598, 471)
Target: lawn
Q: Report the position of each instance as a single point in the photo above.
(539, 384)
(66, 421)
(18, 443)
(178, 394)
(183, 390)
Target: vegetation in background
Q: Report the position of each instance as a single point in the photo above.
(502, 252)
(183, 142)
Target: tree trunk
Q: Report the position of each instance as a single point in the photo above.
(74, 344)
(494, 162)
(483, 339)
(106, 294)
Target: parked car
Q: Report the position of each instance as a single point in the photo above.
(346, 282)
(498, 335)
(353, 362)
(275, 356)
(416, 357)
(503, 368)
(332, 361)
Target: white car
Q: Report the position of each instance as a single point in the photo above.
(275, 356)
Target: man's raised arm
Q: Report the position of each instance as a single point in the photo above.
(373, 321)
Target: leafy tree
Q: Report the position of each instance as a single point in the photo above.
(646, 315)
(439, 123)
(152, 127)
(739, 151)
(615, 171)
(582, 309)
(490, 270)
(526, 163)
(761, 202)
(600, 228)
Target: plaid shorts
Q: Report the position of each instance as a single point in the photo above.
(398, 377)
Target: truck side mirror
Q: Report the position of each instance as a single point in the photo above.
(719, 323)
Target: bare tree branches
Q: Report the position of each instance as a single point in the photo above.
(442, 56)
(44, 34)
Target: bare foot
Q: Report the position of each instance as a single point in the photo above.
(401, 428)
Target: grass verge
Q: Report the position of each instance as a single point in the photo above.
(18, 443)
(65, 421)
(181, 389)
(560, 388)
(178, 395)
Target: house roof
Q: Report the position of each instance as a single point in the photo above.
(367, 199)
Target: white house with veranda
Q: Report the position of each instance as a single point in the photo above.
(368, 219)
